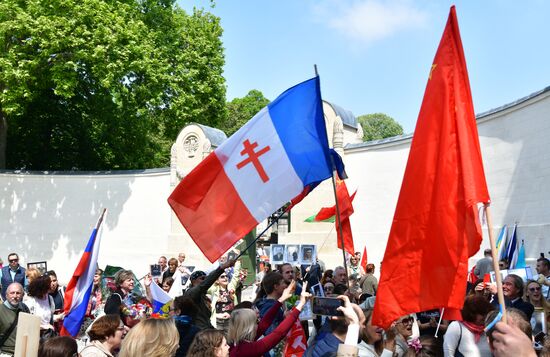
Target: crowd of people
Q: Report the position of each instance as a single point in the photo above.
(208, 318)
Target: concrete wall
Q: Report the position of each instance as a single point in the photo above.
(49, 217)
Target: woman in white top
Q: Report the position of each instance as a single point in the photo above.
(41, 304)
(467, 336)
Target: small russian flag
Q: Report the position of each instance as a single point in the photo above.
(78, 291)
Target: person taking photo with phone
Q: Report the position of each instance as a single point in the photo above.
(244, 330)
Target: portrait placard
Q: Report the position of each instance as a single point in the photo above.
(277, 254)
(41, 266)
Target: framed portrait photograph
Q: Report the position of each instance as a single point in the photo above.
(42, 267)
(277, 254)
(156, 271)
(292, 253)
(308, 254)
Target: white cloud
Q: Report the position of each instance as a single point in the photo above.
(370, 20)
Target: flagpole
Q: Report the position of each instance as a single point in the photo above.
(340, 231)
(496, 268)
(265, 230)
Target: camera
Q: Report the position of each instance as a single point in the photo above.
(327, 306)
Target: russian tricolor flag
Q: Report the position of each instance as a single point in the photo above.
(161, 299)
(273, 158)
(79, 288)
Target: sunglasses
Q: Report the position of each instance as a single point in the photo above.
(223, 276)
(537, 288)
(407, 321)
(329, 288)
(13, 260)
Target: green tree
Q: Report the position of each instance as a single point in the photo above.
(241, 110)
(379, 126)
(97, 84)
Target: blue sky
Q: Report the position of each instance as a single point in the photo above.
(375, 56)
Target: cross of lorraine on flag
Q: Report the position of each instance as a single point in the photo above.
(280, 153)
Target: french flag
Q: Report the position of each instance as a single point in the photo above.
(79, 288)
(281, 152)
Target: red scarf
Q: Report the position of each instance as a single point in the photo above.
(477, 330)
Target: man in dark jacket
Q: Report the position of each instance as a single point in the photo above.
(200, 283)
(13, 273)
(512, 288)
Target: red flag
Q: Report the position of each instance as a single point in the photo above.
(346, 209)
(296, 342)
(472, 276)
(451, 314)
(435, 228)
(364, 259)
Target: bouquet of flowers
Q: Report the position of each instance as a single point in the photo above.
(136, 312)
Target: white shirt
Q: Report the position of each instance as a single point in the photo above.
(468, 346)
(41, 308)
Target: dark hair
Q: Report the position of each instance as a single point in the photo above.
(471, 289)
(59, 346)
(244, 305)
(338, 325)
(205, 343)
(431, 347)
(280, 269)
(327, 276)
(9, 255)
(475, 305)
(169, 281)
(104, 327)
(196, 274)
(51, 273)
(185, 305)
(340, 289)
(544, 261)
(370, 268)
(270, 280)
(39, 286)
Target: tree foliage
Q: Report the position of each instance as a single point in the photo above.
(379, 126)
(241, 110)
(97, 84)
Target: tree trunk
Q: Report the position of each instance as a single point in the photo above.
(3, 139)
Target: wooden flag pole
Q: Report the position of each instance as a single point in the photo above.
(333, 166)
(496, 268)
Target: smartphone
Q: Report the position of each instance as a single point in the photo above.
(327, 306)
